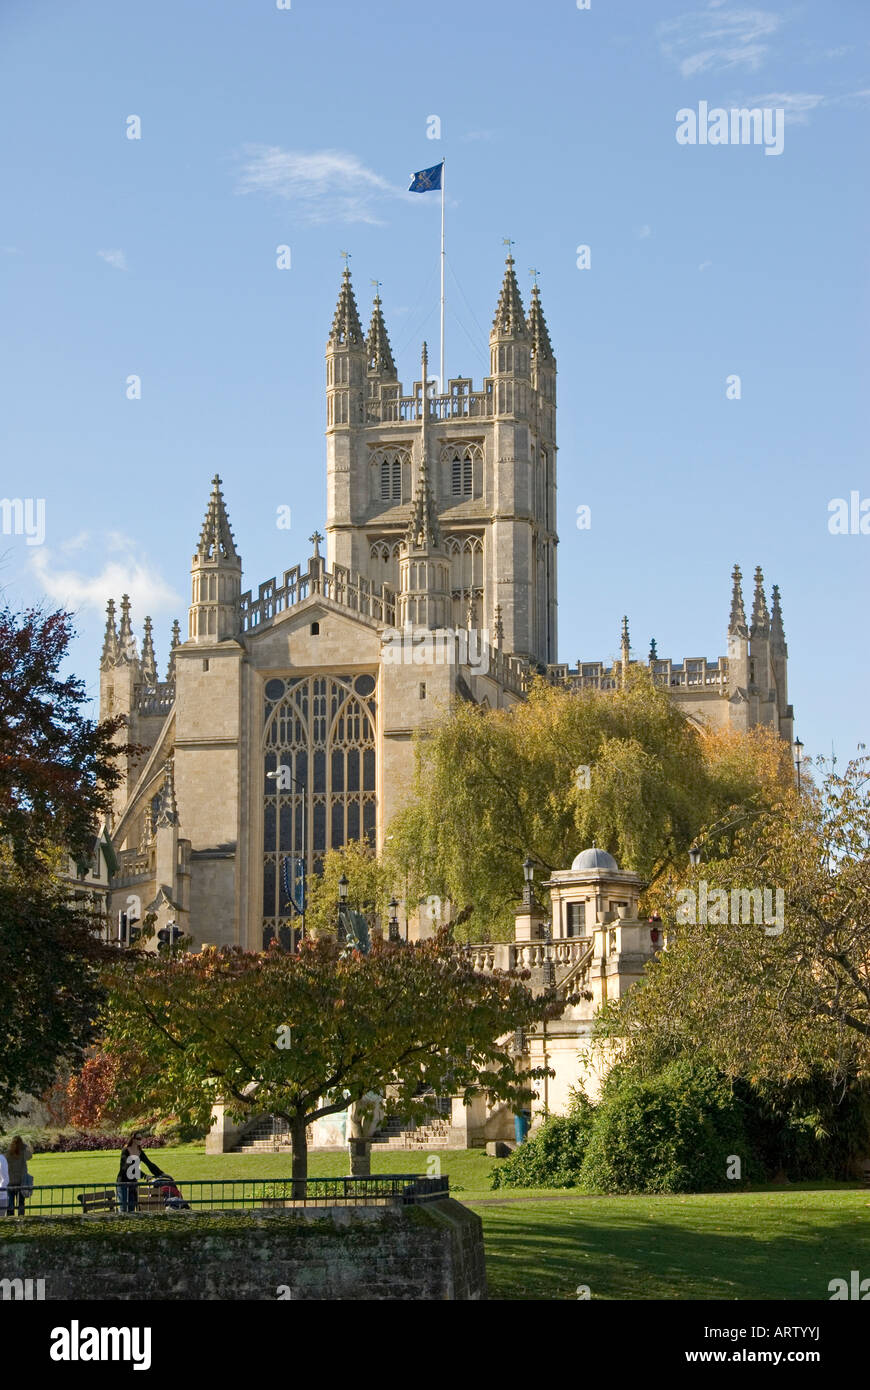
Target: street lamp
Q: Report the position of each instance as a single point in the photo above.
(342, 902)
(528, 881)
(798, 750)
(276, 778)
(394, 919)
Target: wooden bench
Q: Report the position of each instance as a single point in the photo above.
(98, 1201)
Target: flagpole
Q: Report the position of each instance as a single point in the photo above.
(443, 176)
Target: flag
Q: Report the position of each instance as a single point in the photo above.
(426, 180)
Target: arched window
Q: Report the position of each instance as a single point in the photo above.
(462, 470)
(466, 575)
(391, 475)
(384, 566)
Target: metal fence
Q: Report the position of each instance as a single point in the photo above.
(235, 1194)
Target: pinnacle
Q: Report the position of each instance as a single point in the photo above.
(542, 348)
(110, 642)
(216, 537)
(380, 355)
(346, 328)
(760, 615)
(509, 315)
(737, 621)
(777, 632)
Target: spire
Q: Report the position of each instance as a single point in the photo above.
(174, 641)
(378, 350)
(509, 315)
(346, 328)
(777, 632)
(423, 529)
(149, 662)
(126, 641)
(110, 641)
(737, 621)
(760, 615)
(542, 348)
(216, 537)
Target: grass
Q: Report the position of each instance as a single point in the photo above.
(778, 1243)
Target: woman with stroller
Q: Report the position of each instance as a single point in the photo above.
(127, 1181)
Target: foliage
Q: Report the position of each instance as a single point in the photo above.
(553, 1156)
(492, 786)
(57, 769)
(91, 1090)
(770, 1002)
(302, 1035)
(672, 1132)
(50, 990)
(48, 1141)
(368, 888)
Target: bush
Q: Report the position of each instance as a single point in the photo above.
(46, 1141)
(553, 1156)
(672, 1132)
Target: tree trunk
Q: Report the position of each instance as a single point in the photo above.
(299, 1139)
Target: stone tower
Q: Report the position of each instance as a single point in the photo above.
(490, 471)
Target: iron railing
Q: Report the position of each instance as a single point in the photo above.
(241, 1194)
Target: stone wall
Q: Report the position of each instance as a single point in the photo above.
(429, 1252)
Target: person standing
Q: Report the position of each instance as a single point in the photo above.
(127, 1181)
(20, 1183)
(4, 1183)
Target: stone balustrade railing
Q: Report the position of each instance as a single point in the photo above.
(352, 591)
(529, 955)
(461, 404)
(689, 674)
(154, 699)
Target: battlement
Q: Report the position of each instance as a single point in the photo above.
(694, 672)
(459, 402)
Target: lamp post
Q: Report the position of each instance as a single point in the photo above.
(528, 882)
(276, 778)
(394, 920)
(798, 750)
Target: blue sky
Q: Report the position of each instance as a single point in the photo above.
(263, 127)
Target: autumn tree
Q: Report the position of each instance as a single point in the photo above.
(778, 999)
(623, 769)
(303, 1035)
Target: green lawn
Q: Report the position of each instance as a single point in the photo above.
(783, 1243)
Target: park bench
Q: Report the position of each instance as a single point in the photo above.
(98, 1201)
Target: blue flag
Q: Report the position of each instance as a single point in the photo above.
(425, 180)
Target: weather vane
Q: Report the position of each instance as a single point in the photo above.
(346, 255)
(534, 274)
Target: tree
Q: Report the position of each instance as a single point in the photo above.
(57, 768)
(787, 997)
(368, 887)
(623, 769)
(303, 1035)
(50, 990)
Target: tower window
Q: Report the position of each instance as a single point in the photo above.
(391, 475)
(461, 477)
(422, 690)
(205, 663)
(315, 629)
(462, 469)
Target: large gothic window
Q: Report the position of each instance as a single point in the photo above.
(321, 731)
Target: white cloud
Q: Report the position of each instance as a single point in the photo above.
(116, 259)
(718, 38)
(73, 589)
(323, 186)
(644, 231)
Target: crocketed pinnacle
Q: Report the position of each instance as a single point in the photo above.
(509, 315)
(174, 641)
(737, 621)
(216, 537)
(110, 642)
(149, 662)
(126, 641)
(168, 812)
(542, 348)
(777, 631)
(760, 615)
(346, 328)
(423, 530)
(378, 351)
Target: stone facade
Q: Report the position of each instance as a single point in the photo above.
(438, 584)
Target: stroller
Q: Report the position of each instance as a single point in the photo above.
(163, 1190)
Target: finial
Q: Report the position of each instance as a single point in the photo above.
(377, 284)
(149, 661)
(168, 812)
(174, 641)
(110, 641)
(737, 621)
(126, 640)
(534, 274)
(508, 242)
(346, 255)
(653, 653)
(315, 540)
(498, 626)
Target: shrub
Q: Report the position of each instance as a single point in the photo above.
(46, 1141)
(553, 1157)
(672, 1132)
